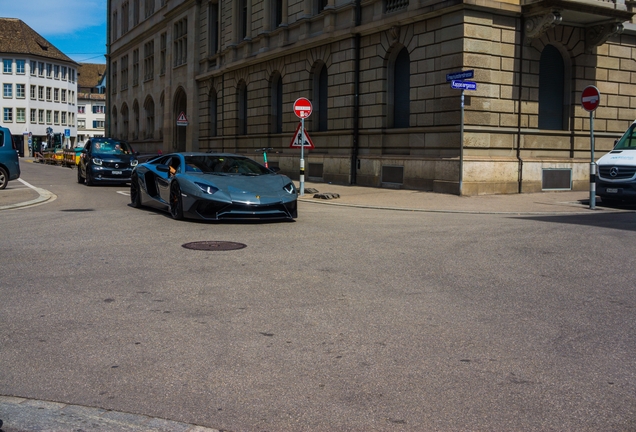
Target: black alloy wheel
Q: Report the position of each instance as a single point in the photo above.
(80, 179)
(89, 180)
(135, 192)
(4, 178)
(176, 203)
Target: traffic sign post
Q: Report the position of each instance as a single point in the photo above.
(457, 83)
(302, 109)
(590, 100)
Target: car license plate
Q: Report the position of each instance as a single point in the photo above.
(116, 172)
(612, 190)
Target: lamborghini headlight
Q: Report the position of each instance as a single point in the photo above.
(206, 188)
(290, 188)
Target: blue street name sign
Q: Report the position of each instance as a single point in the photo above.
(460, 75)
(463, 85)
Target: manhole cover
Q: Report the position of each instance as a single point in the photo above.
(214, 245)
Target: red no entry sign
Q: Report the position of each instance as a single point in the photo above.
(590, 98)
(302, 108)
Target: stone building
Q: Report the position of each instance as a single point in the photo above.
(376, 72)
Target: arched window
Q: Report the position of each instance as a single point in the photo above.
(161, 114)
(320, 99)
(115, 131)
(276, 91)
(212, 112)
(551, 89)
(242, 108)
(149, 107)
(124, 122)
(136, 120)
(400, 97)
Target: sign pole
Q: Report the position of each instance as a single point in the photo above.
(302, 156)
(592, 165)
(461, 145)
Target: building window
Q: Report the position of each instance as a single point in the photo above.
(277, 13)
(320, 5)
(41, 116)
(162, 66)
(135, 67)
(213, 28)
(20, 115)
(40, 69)
(41, 93)
(276, 91)
(114, 35)
(149, 60)
(124, 72)
(63, 117)
(213, 112)
(551, 90)
(63, 95)
(48, 94)
(321, 94)
(81, 109)
(243, 18)
(33, 92)
(7, 66)
(181, 42)
(135, 12)
(124, 121)
(56, 71)
(242, 108)
(34, 68)
(34, 116)
(56, 95)
(49, 116)
(7, 90)
(149, 107)
(20, 91)
(64, 73)
(395, 5)
(49, 70)
(149, 8)
(56, 117)
(98, 124)
(400, 90)
(114, 78)
(125, 7)
(8, 114)
(81, 123)
(99, 109)
(20, 67)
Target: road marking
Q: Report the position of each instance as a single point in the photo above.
(126, 193)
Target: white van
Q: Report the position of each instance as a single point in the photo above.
(616, 173)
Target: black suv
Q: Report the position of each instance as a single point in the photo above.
(106, 160)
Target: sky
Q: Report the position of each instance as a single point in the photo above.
(75, 27)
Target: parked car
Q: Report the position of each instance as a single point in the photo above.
(106, 160)
(9, 160)
(213, 186)
(616, 176)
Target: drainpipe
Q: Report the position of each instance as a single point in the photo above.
(356, 96)
(518, 149)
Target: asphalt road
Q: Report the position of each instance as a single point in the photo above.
(348, 319)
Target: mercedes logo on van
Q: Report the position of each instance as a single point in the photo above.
(614, 171)
(116, 165)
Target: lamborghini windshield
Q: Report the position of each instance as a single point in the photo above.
(215, 164)
(628, 140)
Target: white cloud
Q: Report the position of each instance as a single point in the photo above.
(50, 17)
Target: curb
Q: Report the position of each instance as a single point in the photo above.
(43, 196)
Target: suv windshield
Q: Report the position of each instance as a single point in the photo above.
(111, 147)
(628, 140)
(214, 164)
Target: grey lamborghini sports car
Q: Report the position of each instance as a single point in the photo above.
(213, 186)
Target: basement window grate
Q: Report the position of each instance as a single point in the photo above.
(392, 174)
(556, 179)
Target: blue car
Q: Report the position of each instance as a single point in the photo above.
(9, 161)
(213, 186)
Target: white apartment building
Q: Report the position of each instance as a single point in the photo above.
(39, 87)
(91, 101)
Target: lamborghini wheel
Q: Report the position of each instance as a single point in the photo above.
(176, 203)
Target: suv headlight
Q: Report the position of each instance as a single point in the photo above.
(134, 162)
(97, 161)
